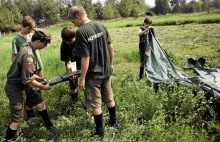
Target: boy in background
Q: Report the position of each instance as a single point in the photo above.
(143, 43)
(71, 62)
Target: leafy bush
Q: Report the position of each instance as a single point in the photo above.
(108, 11)
(182, 22)
(208, 21)
(164, 23)
(9, 18)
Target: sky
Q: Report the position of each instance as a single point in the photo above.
(150, 2)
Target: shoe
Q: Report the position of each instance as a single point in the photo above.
(100, 133)
(13, 139)
(33, 123)
(112, 124)
(74, 97)
(75, 100)
(53, 131)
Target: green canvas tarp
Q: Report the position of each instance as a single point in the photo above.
(209, 79)
(160, 69)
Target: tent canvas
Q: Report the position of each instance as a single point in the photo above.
(160, 69)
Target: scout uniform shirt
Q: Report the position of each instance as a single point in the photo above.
(23, 66)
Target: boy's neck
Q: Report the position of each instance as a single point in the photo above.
(23, 34)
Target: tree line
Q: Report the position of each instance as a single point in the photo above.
(48, 12)
(181, 6)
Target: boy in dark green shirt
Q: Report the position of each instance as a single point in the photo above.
(93, 45)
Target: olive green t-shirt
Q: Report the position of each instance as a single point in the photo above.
(92, 41)
(19, 42)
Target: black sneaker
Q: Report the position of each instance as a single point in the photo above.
(13, 139)
(74, 97)
(112, 124)
(100, 133)
(53, 131)
(75, 100)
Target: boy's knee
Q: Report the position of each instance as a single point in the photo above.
(111, 104)
(41, 106)
(15, 125)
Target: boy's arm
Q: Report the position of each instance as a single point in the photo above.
(68, 67)
(84, 69)
(13, 57)
(40, 73)
(14, 50)
(152, 30)
(111, 55)
(37, 84)
(142, 31)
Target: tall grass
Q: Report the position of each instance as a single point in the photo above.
(171, 114)
(164, 20)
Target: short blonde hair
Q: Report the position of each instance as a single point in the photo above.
(76, 11)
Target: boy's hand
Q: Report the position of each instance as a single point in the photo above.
(47, 86)
(74, 77)
(41, 79)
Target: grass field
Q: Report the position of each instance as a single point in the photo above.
(143, 115)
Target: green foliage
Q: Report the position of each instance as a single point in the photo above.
(164, 23)
(90, 9)
(161, 7)
(125, 7)
(138, 7)
(182, 19)
(135, 11)
(163, 20)
(208, 21)
(108, 11)
(88, 6)
(99, 10)
(26, 7)
(9, 18)
(216, 4)
(182, 22)
(48, 10)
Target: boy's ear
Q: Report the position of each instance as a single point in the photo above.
(77, 17)
(38, 41)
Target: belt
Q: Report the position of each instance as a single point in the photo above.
(14, 83)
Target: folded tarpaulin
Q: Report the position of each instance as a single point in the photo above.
(209, 79)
